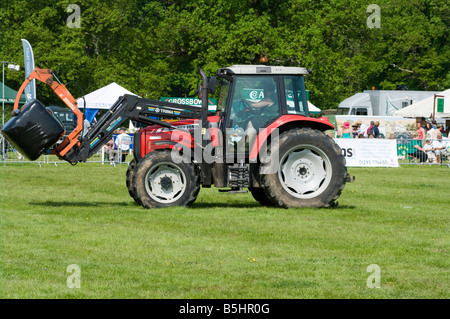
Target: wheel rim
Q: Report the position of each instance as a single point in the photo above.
(305, 171)
(165, 183)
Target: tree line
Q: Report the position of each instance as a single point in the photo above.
(153, 48)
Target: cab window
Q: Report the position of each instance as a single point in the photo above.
(295, 95)
(255, 100)
(223, 95)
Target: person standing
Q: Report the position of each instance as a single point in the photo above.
(109, 150)
(420, 131)
(123, 142)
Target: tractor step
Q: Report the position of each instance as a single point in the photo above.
(238, 176)
(234, 191)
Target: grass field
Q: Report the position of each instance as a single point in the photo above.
(225, 246)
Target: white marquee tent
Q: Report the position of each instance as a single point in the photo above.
(104, 97)
(424, 108)
(101, 99)
(313, 109)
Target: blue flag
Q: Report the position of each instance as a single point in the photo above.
(30, 90)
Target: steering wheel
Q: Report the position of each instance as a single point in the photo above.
(245, 105)
(247, 110)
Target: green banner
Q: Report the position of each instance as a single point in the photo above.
(440, 105)
(193, 101)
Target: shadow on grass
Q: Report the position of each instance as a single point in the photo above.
(196, 205)
(133, 204)
(217, 204)
(81, 204)
(341, 207)
(247, 204)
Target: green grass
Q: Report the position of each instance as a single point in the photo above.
(225, 246)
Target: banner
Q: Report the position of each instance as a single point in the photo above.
(193, 101)
(369, 152)
(389, 125)
(30, 90)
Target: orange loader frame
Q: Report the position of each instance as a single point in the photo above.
(46, 76)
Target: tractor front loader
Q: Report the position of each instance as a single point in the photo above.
(259, 139)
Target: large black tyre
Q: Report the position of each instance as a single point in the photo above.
(260, 196)
(159, 182)
(310, 171)
(129, 179)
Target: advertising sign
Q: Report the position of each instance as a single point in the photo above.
(193, 101)
(369, 152)
(30, 89)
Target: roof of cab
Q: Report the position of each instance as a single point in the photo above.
(263, 69)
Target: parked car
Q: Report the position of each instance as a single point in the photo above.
(66, 116)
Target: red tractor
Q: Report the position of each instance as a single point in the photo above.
(260, 138)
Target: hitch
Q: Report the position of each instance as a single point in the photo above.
(349, 179)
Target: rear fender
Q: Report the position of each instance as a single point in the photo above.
(285, 123)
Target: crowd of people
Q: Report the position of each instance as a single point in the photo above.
(359, 130)
(427, 143)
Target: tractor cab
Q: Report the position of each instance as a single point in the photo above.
(254, 96)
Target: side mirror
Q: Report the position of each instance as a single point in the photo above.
(212, 84)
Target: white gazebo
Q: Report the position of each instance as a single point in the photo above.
(313, 109)
(428, 107)
(101, 99)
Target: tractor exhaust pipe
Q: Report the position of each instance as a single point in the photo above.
(204, 97)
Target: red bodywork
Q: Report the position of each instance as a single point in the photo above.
(321, 123)
(156, 137)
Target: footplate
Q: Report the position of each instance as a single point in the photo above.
(238, 176)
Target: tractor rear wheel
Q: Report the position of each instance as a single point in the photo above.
(260, 196)
(310, 170)
(159, 182)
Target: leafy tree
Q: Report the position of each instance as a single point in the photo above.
(154, 47)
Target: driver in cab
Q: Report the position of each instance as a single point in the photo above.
(270, 97)
(264, 111)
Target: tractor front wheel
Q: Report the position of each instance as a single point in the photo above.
(159, 182)
(310, 170)
(129, 179)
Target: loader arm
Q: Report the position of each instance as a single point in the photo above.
(78, 148)
(127, 107)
